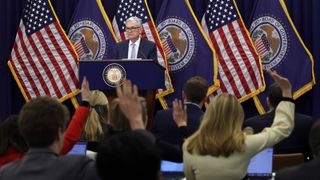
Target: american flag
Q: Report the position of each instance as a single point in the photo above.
(239, 68)
(43, 61)
(139, 8)
(168, 46)
(81, 47)
(262, 45)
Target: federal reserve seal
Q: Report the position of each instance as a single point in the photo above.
(270, 39)
(178, 42)
(88, 39)
(114, 74)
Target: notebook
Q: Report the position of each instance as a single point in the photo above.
(261, 164)
(80, 148)
(171, 170)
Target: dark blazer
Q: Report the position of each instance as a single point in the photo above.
(298, 139)
(166, 129)
(147, 50)
(40, 164)
(309, 170)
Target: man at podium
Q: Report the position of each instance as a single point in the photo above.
(135, 47)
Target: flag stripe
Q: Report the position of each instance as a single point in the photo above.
(223, 65)
(22, 55)
(251, 48)
(226, 40)
(250, 54)
(50, 62)
(61, 48)
(225, 82)
(228, 61)
(16, 66)
(238, 64)
(46, 69)
(247, 67)
(66, 44)
(37, 67)
(53, 56)
(27, 53)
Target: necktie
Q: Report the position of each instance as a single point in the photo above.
(133, 51)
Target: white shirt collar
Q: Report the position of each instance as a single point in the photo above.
(136, 43)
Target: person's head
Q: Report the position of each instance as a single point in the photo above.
(128, 155)
(42, 122)
(119, 121)
(314, 138)
(195, 90)
(274, 96)
(133, 28)
(220, 130)
(10, 136)
(99, 115)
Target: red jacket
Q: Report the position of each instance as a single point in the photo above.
(74, 130)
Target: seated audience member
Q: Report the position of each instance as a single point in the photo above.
(298, 139)
(42, 123)
(193, 94)
(97, 121)
(308, 170)
(12, 144)
(128, 155)
(219, 149)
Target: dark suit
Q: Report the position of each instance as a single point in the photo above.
(147, 50)
(40, 164)
(309, 170)
(166, 129)
(298, 139)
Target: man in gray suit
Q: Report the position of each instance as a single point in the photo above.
(42, 123)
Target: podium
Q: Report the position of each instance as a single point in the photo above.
(105, 74)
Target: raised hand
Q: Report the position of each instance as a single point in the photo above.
(283, 83)
(179, 113)
(130, 104)
(85, 90)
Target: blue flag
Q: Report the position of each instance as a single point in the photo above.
(91, 32)
(188, 51)
(281, 48)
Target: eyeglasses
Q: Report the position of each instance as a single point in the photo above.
(131, 28)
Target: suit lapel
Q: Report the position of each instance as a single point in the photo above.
(140, 51)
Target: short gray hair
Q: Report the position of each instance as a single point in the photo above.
(134, 18)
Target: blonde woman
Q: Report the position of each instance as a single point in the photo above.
(96, 124)
(219, 149)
